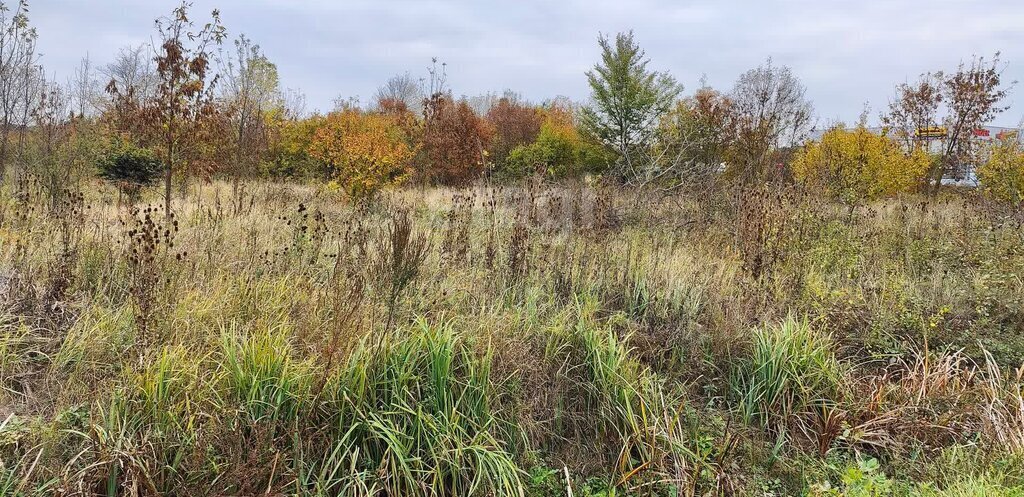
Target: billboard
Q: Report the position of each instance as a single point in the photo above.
(931, 132)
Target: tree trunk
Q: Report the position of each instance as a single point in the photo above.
(3, 152)
(167, 192)
(167, 178)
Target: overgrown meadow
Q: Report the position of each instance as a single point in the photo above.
(542, 339)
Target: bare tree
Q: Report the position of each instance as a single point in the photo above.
(17, 72)
(402, 88)
(83, 87)
(772, 113)
(940, 112)
(484, 102)
(132, 72)
(293, 104)
(51, 117)
(250, 89)
(693, 141)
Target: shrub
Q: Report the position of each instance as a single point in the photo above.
(366, 152)
(289, 155)
(560, 150)
(857, 164)
(1002, 175)
(514, 124)
(129, 167)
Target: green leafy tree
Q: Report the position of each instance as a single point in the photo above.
(628, 100)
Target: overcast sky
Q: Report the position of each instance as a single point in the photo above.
(847, 53)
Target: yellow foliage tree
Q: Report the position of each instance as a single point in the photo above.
(1002, 175)
(366, 152)
(856, 164)
(290, 141)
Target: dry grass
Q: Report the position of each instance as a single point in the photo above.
(458, 342)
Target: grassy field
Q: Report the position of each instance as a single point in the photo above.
(536, 340)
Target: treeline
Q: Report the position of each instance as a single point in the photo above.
(198, 104)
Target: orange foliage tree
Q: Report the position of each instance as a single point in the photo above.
(514, 124)
(365, 152)
(454, 140)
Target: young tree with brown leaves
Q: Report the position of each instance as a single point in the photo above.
(454, 140)
(180, 119)
(514, 124)
(453, 137)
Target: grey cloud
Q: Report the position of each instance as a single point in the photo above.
(847, 53)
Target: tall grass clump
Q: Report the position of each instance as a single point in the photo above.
(142, 439)
(418, 415)
(260, 376)
(792, 369)
(617, 403)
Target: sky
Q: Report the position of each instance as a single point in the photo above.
(848, 54)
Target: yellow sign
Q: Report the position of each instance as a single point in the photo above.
(931, 132)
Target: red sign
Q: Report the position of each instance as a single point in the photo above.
(981, 132)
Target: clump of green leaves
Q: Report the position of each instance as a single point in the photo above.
(128, 167)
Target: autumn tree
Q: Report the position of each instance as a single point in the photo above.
(365, 151)
(772, 113)
(514, 124)
(856, 164)
(18, 74)
(628, 99)
(454, 140)
(401, 101)
(181, 117)
(940, 112)
(250, 93)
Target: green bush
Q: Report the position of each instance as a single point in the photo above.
(1002, 175)
(129, 167)
(559, 151)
